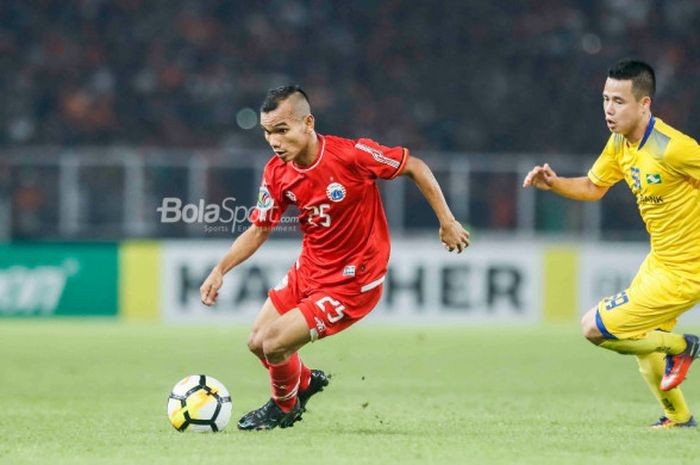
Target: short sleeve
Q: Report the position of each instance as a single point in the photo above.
(606, 170)
(379, 161)
(684, 156)
(270, 206)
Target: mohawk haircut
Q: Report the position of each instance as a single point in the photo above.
(279, 94)
(640, 73)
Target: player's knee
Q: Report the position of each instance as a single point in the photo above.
(593, 335)
(590, 330)
(273, 347)
(255, 344)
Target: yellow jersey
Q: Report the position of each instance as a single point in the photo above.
(663, 172)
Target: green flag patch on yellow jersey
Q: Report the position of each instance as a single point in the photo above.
(653, 179)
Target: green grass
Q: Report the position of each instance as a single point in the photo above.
(90, 392)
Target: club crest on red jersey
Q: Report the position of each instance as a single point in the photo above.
(335, 192)
(290, 195)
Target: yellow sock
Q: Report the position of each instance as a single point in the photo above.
(654, 341)
(651, 366)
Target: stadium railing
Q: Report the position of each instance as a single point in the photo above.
(95, 193)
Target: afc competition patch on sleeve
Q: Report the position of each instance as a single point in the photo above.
(265, 201)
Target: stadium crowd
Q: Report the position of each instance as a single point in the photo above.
(449, 75)
(479, 76)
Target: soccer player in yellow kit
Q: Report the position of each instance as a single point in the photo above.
(662, 168)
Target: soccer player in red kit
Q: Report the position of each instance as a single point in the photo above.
(338, 277)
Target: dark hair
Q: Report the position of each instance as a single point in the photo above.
(279, 94)
(640, 73)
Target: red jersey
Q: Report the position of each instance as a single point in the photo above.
(346, 236)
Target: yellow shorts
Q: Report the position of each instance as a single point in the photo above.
(654, 300)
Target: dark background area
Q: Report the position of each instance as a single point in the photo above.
(493, 76)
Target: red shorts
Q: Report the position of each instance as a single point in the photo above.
(329, 310)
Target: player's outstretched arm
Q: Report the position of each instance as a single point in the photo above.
(452, 233)
(581, 188)
(243, 247)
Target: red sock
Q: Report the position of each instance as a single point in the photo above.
(285, 382)
(305, 377)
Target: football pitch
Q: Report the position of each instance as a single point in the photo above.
(94, 392)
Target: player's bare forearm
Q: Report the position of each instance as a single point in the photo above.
(243, 247)
(546, 179)
(421, 174)
(452, 233)
(580, 188)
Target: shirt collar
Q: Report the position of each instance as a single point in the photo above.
(647, 133)
(319, 155)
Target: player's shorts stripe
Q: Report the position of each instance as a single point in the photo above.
(313, 333)
(372, 285)
(378, 155)
(601, 327)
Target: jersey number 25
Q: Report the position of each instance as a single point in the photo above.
(319, 213)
